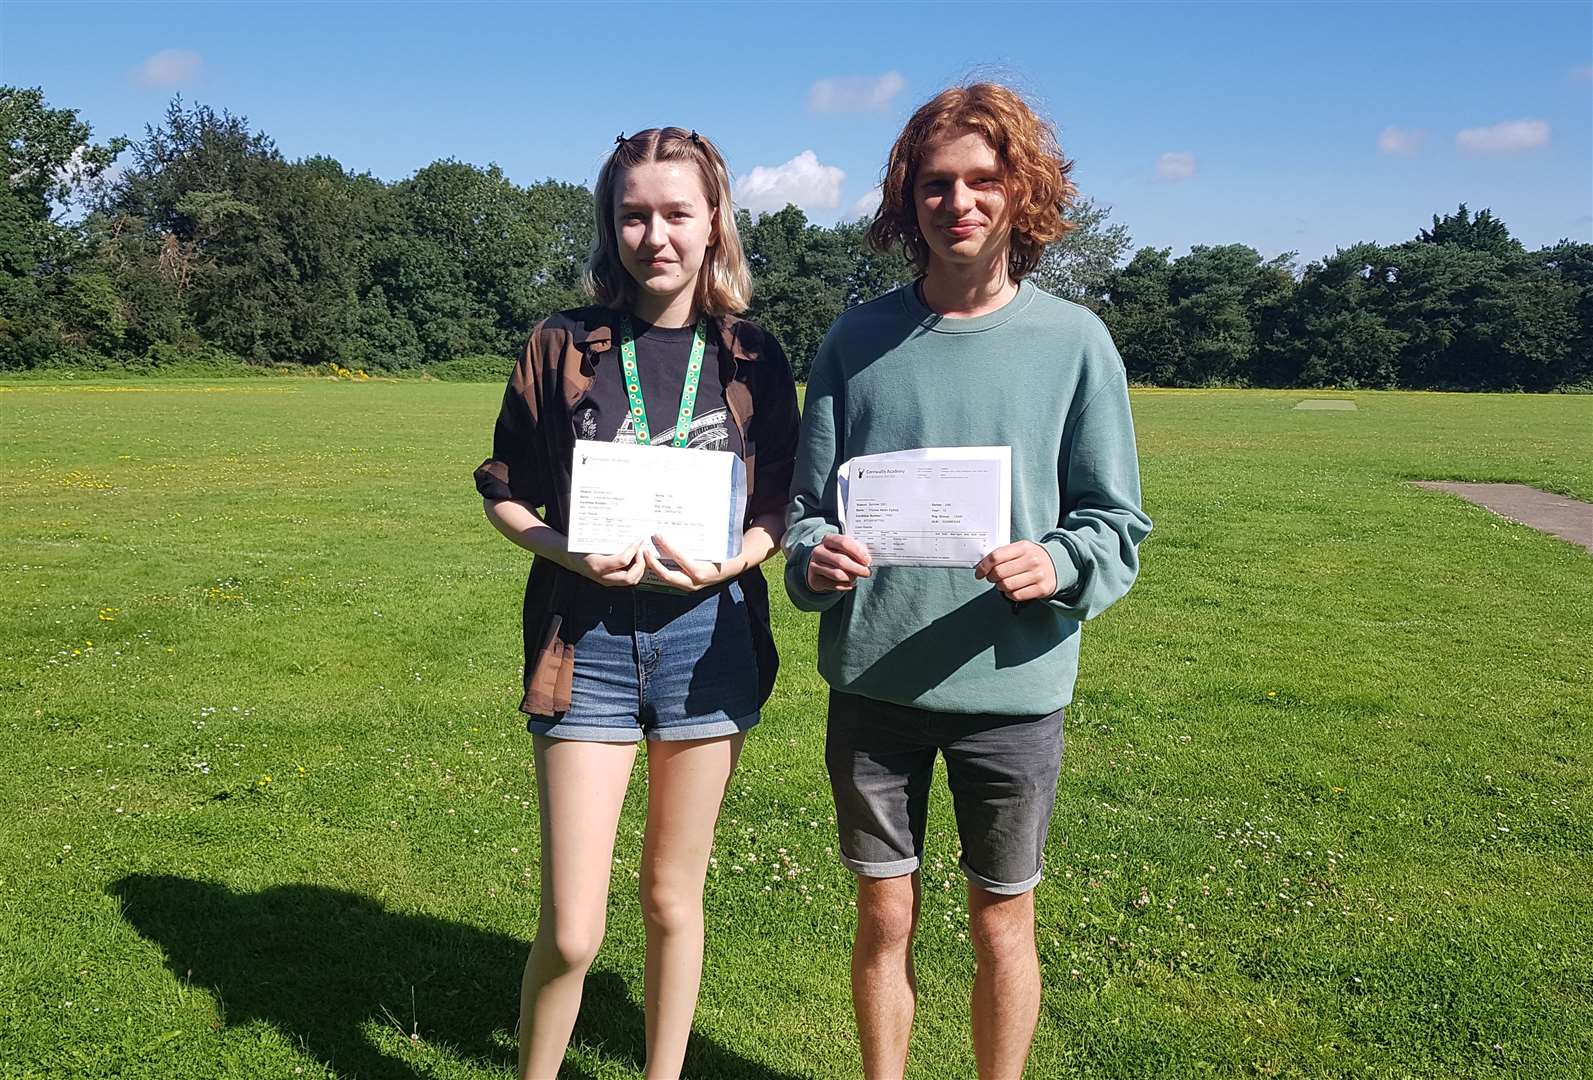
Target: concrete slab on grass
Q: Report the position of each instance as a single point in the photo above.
(1569, 519)
(1326, 405)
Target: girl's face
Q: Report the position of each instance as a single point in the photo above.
(665, 226)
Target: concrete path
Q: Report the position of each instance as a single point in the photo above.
(1557, 515)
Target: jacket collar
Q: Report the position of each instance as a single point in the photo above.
(598, 333)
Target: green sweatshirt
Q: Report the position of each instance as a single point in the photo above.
(1040, 375)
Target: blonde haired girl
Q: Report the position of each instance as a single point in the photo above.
(640, 647)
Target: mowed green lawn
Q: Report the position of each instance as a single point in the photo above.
(1325, 809)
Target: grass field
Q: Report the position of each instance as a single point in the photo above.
(1327, 804)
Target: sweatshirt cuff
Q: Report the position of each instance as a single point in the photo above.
(1068, 579)
(796, 582)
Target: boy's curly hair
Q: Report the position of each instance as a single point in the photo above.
(1036, 174)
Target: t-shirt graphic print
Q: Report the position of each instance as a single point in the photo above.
(709, 431)
(661, 352)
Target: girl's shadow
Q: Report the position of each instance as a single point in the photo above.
(321, 965)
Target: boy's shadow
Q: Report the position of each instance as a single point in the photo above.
(321, 965)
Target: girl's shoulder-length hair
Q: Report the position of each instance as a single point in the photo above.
(724, 285)
(1036, 174)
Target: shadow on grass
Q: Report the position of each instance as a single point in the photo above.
(322, 964)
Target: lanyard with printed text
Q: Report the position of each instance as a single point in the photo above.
(688, 392)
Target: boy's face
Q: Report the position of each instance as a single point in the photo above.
(961, 199)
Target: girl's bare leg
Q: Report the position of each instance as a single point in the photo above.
(580, 789)
(685, 787)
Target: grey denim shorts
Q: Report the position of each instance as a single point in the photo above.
(1002, 771)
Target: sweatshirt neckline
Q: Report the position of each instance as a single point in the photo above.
(936, 323)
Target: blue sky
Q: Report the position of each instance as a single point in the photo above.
(1283, 126)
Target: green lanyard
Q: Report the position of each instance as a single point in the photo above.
(688, 392)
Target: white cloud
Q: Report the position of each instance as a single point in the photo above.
(72, 172)
(169, 67)
(1176, 166)
(1510, 137)
(72, 180)
(803, 180)
(855, 93)
(1401, 142)
(866, 205)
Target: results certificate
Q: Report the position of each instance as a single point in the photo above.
(940, 506)
(622, 492)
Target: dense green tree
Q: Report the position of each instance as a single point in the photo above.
(209, 192)
(1337, 330)
(1482, 232)
(92, 314)
(1439, 298)
(872, 273)
(805, 275)
(1139, 314)
(478, 260)
(1209, 292)
(1217, 315)
(48, 156)
(800, 278)
(1480, 312)
(326, 218)
(1078, 266)
(210, 243)
(1572, 263)
(146, 278)
(561, 217)
(48, 161)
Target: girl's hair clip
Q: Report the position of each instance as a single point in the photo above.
(695, 137)
(619, 139)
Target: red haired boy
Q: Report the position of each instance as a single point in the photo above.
(975, 665)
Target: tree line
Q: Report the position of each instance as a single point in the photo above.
(201, 243)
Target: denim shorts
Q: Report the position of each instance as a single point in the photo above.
(656, 664)
(1002, 771)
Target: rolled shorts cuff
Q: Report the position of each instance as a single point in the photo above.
(711, 729)
(558, 729)
(1000, 888)
(895, 868)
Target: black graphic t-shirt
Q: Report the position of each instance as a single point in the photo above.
(604, 414)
